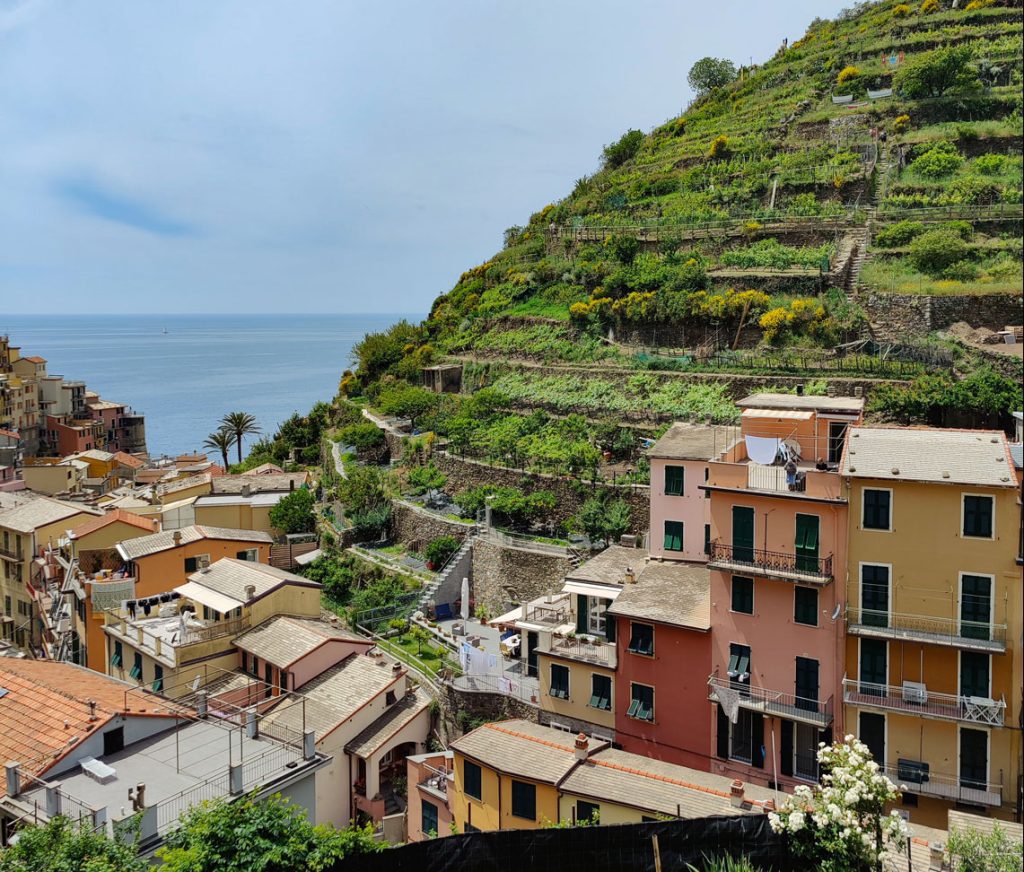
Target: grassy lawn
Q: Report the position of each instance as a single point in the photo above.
(899, 277)
(427, 658)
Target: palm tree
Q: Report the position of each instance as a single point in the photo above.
(239, 424)
(220, 441)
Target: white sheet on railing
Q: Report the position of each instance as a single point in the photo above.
(762, 449)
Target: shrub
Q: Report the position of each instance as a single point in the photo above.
(978, 4)
(961, 271)
(940, 160)
(440, 549)
(427, 477)
(710, 73)
(929, 6)
(848, 74)
(624, 248)
(293, 513)
(974, 190)
(898, 234)
(971, 849)
(990, 164)
(406, 401)
(901, 11)
(362, 437)
(935, 250)
(720, 149)
(900, 123)
(936, 73)
(964, 229)
(625, 149)
(602, 518)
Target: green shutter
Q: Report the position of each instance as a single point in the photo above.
(807, 542)
(582, 608)
(673, 536)
(743, 533)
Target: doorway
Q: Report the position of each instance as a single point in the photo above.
(836, 438)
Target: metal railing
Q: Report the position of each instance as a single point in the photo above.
(438, 779)
(170, 810)
(527, 691)
(924, 628)
(772, 702)
(551, 615)
(770, 562)
(578, 648)
(914, 779)
(916, 699)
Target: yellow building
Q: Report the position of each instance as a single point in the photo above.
(934, 615)
(521, 775)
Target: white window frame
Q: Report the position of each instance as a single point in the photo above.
(961, 533)
(863, 505)
(597, 621)
(960, 598)
(959, 674)
(988, 750)
(860, 589)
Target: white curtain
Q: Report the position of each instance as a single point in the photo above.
(761, 449)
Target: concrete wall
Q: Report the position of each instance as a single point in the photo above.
(576, 711)
(503, 574)
(894, 316)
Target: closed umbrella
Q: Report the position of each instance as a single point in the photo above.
(465, 599)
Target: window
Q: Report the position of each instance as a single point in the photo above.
(250, 554)
(674, 476)
(282, 679)
(874, 667)
(428, 822)
(559, 681)
(641, 639)
(25, 608)
(806, 684)
(158, 677)
(255, 666)
(587, 811)
(877, 509)
(974, 674)
(472, 780)
(390, 698)
(673, 535)
(7, 605)
(641, 702)
(245, 662)
(976, 606)
(524, 800)
(874, 595)
(741, 737)
(872, 734)
(743, 595)
(805, 606)
(596, 608)
(807, 542)
(978, 516)
(268, 678)
(117, 658)
(743, 534)
(600, 692)
(707, 539)
(739, 662)
(136, 670)
(973, 758)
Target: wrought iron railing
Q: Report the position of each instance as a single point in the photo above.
(771, 702)
(580, 648)
(917, 699)
(944, 631)
(914, 777)
(771, 562)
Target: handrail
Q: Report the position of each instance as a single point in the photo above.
(940, 784)
(949, 630)
(774, 702)
(760, 559)
(574, 646)
(914, 698)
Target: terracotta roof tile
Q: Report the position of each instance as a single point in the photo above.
(150, 525)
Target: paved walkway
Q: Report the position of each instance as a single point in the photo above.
(524, 686)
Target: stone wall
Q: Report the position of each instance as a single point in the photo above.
(570, 494)
(503, 574)
(461, 709)
(894, 316)
(417, 527)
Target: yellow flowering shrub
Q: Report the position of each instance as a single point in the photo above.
(774, 322)
(901, 122)
(719, 148)
(978, 4)
(847, 74)
(901, 11)
(929, 6)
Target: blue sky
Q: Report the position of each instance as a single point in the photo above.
(318, 155)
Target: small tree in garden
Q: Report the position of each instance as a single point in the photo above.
(294, 512)
(407, 401)
(841, 825)
(440, 549)
(420, 637)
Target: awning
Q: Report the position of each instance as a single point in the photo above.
(789, 414)
(602, 591)
(204, 596)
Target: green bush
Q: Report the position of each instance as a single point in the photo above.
(509, 503)
(990, 164)
(626, 148)
(440, 549)
(293, 513)
(428, 477)
(935, 250)
(709, 73)
(407, 401)
(602, 517)
(362, 436)
(961, 271)
(964, 229)
(941, 160)
(898, 234)
(334, 573)
(971, 850)
(936, 73)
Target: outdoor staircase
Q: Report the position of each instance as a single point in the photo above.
(861, 237)
(429, 589)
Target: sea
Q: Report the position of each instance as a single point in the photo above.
(184, 372)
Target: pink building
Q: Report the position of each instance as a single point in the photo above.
(429, 778)
(777, 558)
(680, 519)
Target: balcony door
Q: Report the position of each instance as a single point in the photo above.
(874, 595)
(807, 529)
(806, 684)
(874, 667)
(872, 733)
(836, 438)
(975, 675)
(976, 606)
(743, 534)
(973, 759)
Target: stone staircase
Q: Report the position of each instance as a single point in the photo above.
(860, 239)
(429, 589)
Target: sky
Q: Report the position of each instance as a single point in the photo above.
(318, 155)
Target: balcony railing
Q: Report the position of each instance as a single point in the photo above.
(15, 555)
(772, 702)
(553, 616)
(912, 777)
(578, 648)
(916, 699)
(777, 564)
(969, 635)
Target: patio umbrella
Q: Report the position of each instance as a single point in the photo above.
(465, 599)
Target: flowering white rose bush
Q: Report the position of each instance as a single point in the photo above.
(841, 824)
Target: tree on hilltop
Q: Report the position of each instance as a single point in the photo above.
(710, 73)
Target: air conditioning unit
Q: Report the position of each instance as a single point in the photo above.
(915, 692)
(204, 562)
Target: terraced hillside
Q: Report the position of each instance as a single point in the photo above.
(819, 219)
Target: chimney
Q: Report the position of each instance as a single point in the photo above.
(291, 485)
(246, 490)
(396, 667)
(92, 709)
(250, 592)
(936, 855)
(736, 791)
(177, 537)
(582, 746)
(630, 575)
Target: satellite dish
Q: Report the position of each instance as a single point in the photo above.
(836, 611)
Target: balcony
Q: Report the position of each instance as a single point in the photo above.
(11, 555)
(915, 699)
(170, 635)
(771, 564)
(775, 703)
(585, 648)
(912, 776)
(965, 635)
(437, 782)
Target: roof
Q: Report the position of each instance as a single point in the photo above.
(133, 549)
(265, 468)
(35, 359)
(103, 404)
(668, 593)
(394, 719)
(113, 517)
(967, 457)
(25, 511)
(127, 460)
(522, 748)
(230, 577)
(1017, 453)
(337, 693)
(963, 820)
(284, 638)
(178, 484)
(608, 567)
(653, 785)
(257, 499)
(845, 405)
(692, 442)
(263, 482)
(45, 712)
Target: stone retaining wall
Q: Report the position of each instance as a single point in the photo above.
(894, 316)
(478, 707)
(417, 527)
(503, 574)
